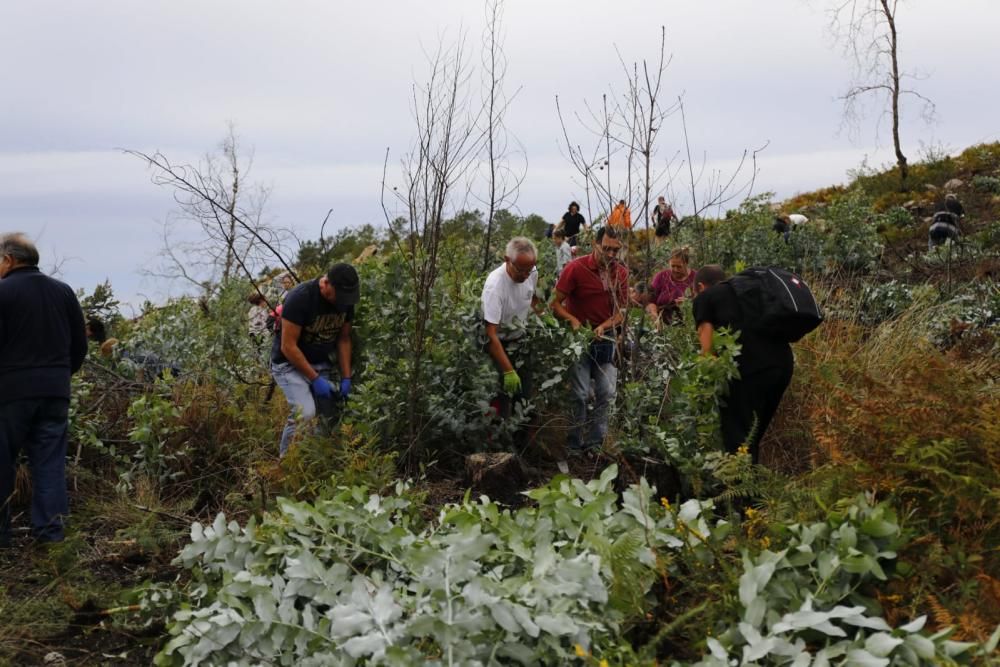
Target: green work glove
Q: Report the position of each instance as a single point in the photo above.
(511, 382)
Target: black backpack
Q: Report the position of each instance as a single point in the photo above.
(946, 217)
(776, 303)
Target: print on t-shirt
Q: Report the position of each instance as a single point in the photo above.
(324, 329)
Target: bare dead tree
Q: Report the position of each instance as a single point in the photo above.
(213, 197)
(867, 31)
(643, 114)
(446, 148)
(718, 188)
(628, 130)
(503, 178)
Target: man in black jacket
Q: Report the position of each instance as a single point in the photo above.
(43, 341)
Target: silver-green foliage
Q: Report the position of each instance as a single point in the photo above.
(202, 339)
(805, 604)
(843, 237)
(360, 579)
(460, 380)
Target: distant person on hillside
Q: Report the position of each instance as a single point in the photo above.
(315, 324)
(43, 341)
(944, 228)
(508, 298)
(953, 205)
(286, 282)
(96, 331)
(621, 216)
(662, 215)
(563, 254)
(765, 364)
(671, 287)
(573, 223)
(257, 317)
(593, 291)
(782, 226)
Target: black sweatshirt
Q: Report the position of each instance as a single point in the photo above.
(43, 338)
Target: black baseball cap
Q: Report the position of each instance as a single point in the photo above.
(344, 279)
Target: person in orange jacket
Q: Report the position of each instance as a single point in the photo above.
(621, 216)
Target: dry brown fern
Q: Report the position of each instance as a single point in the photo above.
(942, 617)
(972, 627)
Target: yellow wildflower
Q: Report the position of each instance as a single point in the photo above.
(665, 503)
(743, 450)
(751, 513)
(765, 541)
(602, 663)
(580, 653)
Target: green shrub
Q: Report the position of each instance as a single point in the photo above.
(987, 184)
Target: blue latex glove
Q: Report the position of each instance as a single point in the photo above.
(322, 387)
(345, 387)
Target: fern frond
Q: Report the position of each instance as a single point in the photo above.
(942, 617)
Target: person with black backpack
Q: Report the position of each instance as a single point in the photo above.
(944, 226)
(770, 308)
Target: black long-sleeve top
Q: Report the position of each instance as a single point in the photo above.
(43, 337)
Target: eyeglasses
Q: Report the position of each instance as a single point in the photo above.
(521, 272)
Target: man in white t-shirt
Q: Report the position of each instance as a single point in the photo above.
(509, 297)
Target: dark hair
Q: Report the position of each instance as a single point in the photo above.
(610, 231)
(20, 248)
(98, 333)
(710, 274)
(256, 298)
(572, 204)
(559, 234)
(621, 201)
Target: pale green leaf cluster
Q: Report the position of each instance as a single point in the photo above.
(803, 606)
(360, 579)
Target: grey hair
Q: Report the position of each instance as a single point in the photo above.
(520, 245)
(20, 248)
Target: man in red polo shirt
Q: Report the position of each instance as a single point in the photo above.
(593, 291)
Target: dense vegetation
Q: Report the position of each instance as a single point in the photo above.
(870, 535)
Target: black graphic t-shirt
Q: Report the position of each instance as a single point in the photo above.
(321, 322)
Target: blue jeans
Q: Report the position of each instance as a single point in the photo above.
(39, 427)
(587, 373)
(304, 406)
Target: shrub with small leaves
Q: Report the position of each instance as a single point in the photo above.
(987, 184)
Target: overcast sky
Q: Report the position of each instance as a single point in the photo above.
(320, 89)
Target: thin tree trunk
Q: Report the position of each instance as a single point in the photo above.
(900, 158)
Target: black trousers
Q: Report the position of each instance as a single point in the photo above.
(750, 407)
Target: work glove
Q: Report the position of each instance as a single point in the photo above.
(322, 387)
(345, 387)
(511, 382)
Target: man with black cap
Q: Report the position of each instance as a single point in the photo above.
(315, 323)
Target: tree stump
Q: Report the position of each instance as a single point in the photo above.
(499, 475)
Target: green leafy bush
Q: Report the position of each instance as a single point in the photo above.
(361, 579)
(806, 604)
(987, 184)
